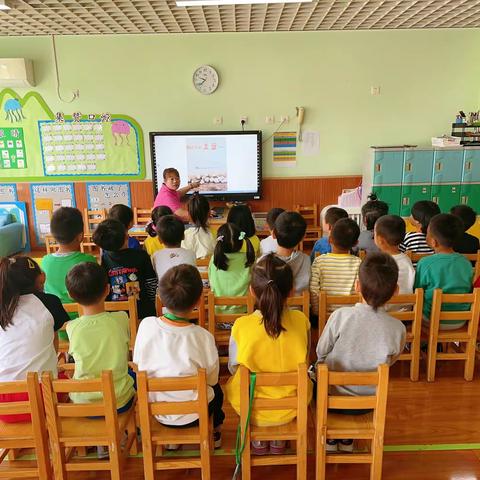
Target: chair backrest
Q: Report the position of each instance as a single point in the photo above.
(14, 435)
(197, 316)
(202, 265)
(309, 213)
(327, 303)
(302, 301)
(416, 257)
(91, 218)
(470, 315)
(410, 312)
(475, 259)
(142, 216)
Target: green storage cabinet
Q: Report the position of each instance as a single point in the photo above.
(390, 195)
(412, 194)
(471, 166)
(388, 167)
(470, 195)
(418, 167)
(448, 166)
(446, 196)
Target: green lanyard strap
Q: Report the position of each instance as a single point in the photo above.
(239, 443)
(175, 318)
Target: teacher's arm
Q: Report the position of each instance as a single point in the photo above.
(190, 186)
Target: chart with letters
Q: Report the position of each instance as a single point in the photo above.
(105, 195)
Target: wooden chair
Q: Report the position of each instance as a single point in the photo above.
(327, 302)
(466, 335)
(300, 301)
(197, 316)
(24, 435)
(416, 257)
(202, 265)
(69, 426)
(314, 231)
(296, 430)
(475, 259)
(91, 219)
(222, 335)
(155, 435)
(413, 317)
(142, 216)
(369, 426)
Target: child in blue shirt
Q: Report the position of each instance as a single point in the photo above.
(322, 245)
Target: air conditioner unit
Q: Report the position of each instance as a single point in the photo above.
(16, 72)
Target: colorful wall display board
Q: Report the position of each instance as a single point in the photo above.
(46, 198)
(36, 144)
(285, 149)
(8, 192)
(105, 195)
(19, 211)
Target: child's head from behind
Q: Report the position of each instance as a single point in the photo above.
(389, 231)
(372, 211)
(18, 276)
(180, 289)
(110, 235)
(332, 216)
(241, 216)
(171, 231)
(199, 210)
(466, 214)
(444, 231)
(171, 178)
(272, 216)
(66, 225)
(272, 282)
(378, 279)
(122, 213)
(230, 240)
(421, 214)
(289, 230)
(87, 283)
(156, 215)
(344, 234)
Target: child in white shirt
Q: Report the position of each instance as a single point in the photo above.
(270, 244)
(171, 230)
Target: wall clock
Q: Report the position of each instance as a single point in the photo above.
(205, 79)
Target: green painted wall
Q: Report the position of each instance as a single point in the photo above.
(425, 78)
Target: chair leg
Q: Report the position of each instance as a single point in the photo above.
(147, 450)
(320, 454)
(246, 461)
(377, 460)
(470, 360)
(115, 461)
(432, 356)
(58, 460)
(301, 449)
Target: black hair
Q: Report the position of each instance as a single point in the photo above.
(289, 229)
(466, 214)
(174, 171)
(391, 228)
(446, 229)
(229, 241)
(378, 276)
(17, 277)
(345, 233)
(241, 216)
(157, 214)
(423, 211)
(122, 213)
(110, 235)
(199, 210)
(334, 214)
(86, 283)
(170, 230)
(66, 224)
(180, 288)
(272, 282)
(372, 211)
(272, 216)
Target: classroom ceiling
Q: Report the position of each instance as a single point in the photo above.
(88, 17)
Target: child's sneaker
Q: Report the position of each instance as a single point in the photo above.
(278, 447)
(172, 447)
(217, 439)
(102, 453)
(331, 446)
(345, 446)
(259, 448)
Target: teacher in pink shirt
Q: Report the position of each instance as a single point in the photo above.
(170, 194)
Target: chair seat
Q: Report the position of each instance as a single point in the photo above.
(162, 435)
(279, 432)
(350, 426)
(457, 335)
(14, 435)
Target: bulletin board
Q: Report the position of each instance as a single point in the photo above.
(8, 192)
(46, 198)
(19, 211)
(37, 144)
(105, 195)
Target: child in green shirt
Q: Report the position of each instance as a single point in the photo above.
(447, 270)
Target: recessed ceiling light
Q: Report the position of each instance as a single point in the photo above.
(4, 5)
(203, 3)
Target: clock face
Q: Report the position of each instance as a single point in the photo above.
(205, 79)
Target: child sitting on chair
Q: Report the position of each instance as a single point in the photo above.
(124, 214)
(322, 245)
(359, 338)
(269, 244)
(172, 346)
(371, 212)
(152, 243)
(468, 243)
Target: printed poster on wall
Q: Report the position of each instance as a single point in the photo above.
(285, 149)
(8, 192)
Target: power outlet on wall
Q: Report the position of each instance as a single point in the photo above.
(244, 119)
(269, 119)
(375, 91)
(284, 118)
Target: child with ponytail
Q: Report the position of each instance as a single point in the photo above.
(152, 242)
(29, 320)
(229, 269)
(272, 339)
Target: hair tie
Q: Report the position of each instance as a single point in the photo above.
(12, 260)
(241, 236)
(220, 238)
(151, 224)
(270, 282)
(31, 264)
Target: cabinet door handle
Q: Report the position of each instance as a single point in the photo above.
(408, 167)
(435, 199)
(439, 166)
(378, 167)
(469, 165)
(464, 199)
(405, 201)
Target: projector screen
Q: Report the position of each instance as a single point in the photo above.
(228, 165)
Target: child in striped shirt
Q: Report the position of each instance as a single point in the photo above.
(421, 214)
(336, 272)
